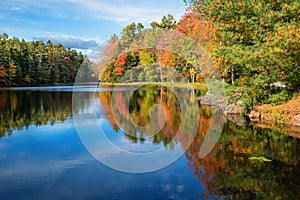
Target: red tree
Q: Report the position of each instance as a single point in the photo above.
(119, 71)
(121, 61)
(3, 73)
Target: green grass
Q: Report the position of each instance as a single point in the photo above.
(198, 86)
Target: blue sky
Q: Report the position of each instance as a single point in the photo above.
(80, 24)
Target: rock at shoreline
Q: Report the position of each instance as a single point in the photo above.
(221, 102)
(287, 114)
(236, 119)
(232, 112)
(213, 100)
(234, 108)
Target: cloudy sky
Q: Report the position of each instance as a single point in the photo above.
(81, 24)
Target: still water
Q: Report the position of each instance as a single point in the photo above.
(42, 155)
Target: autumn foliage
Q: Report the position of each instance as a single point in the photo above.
(119, 71)
(174, 49)
(3, 73)
(121, 61)
(195, 26)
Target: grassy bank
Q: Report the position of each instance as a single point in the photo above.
(286, 114)
(197, 86)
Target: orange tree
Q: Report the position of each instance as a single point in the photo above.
(258, 43)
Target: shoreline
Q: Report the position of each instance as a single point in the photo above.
(200, 86)
(235, 111)
(284, 116)
(287, 114)
(39, 85)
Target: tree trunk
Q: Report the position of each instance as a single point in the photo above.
(232, 75)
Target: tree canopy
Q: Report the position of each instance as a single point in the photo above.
(258, 43)
(135, 50)
(254, 45)
(36, 63)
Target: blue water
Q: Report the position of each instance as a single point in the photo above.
(42, 156)
(50, 162)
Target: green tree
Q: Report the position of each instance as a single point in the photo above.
(34, 63)
(12, 71)
(167, 22)
(259, 41)
(128, 35)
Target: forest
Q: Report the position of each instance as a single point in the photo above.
(34, 63)
(255, 46)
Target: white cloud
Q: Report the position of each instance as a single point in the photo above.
(93, 54)
(122, 11)
(119, 10)
(24, 169)
(69, 41)
(88, 46)
(14, 8)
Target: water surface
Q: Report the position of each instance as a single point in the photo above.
(42, 156)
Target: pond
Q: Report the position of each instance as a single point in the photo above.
(49, 150)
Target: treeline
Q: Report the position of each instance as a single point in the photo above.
(164, 52)
(25, 63)
(255, 46)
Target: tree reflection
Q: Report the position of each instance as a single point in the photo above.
(227, 171)
(140, 104)
(20, 109)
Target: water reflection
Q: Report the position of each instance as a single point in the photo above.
(133, 117)
(21, 108)
(226, 172)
